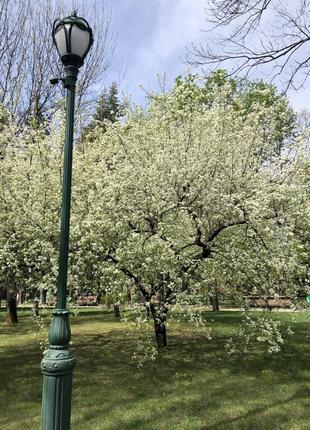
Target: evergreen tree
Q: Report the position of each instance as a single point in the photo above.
(108, 108)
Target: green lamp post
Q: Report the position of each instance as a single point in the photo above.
(73, 39)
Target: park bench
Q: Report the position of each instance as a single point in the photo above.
(86, 301)
(79, 301)
(280, 302)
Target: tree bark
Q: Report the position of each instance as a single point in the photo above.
(159, 315)
(42, 296)
(215, 303)
(11, 306)
(147, 312)
(117, 313)
(22, 296)
(160, 334)
(36, 308)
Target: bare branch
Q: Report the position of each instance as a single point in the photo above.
(28, 59)
(257, 33)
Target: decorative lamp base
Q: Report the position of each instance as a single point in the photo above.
(57, 366)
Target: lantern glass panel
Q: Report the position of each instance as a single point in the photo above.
(60, 38)
(80, 40)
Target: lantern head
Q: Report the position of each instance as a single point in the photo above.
(73, 38)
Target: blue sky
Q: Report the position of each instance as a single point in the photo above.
(152, 39)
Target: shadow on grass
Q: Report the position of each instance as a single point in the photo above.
(186, 366)
(19, 329)
(192, 385)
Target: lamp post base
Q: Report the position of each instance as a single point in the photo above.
(57, 366)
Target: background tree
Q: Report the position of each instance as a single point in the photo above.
(108, 108)
(244, 96)
(30, 184)
(258, 33)
(28, 59)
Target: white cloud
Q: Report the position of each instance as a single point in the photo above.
(177, 25)
(171, 26)
(154, 37)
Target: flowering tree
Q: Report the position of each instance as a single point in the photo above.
(199, 191)
(29, 211)
(182, 187)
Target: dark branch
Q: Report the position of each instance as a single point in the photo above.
(279, 42)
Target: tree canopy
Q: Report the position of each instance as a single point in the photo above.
(185, 196)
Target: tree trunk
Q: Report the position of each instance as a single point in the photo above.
(36, 308)
(22, 296)
(129, 296)
(160, 334)
(11, 306)
(159, 316)
(215, 303)
(117, 313)
(42, 296)
(147, 312)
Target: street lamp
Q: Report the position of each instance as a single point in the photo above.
(73, 39)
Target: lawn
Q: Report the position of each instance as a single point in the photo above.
(193, 385)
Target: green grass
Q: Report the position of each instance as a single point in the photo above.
(193, 385)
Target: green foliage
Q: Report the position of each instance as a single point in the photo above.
(30, 188)
(108, 106)
(276, 116)
(265, 331)
(108, 109)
